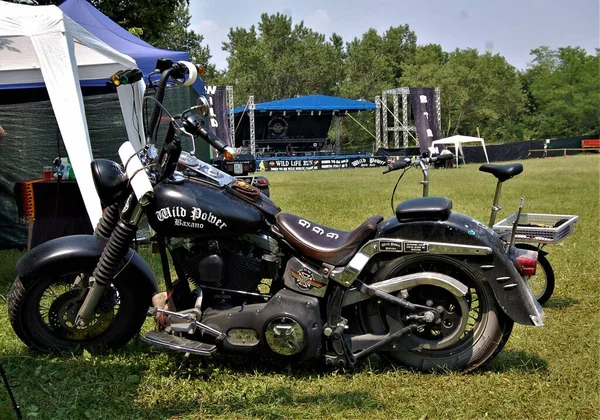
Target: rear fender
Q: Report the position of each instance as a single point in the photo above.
(509, 288)
(58, 254)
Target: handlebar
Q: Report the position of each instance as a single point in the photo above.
(186, 123)
(421, 162)
(398, 165)
(175, 71)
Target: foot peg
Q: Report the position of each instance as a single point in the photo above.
(173, 342)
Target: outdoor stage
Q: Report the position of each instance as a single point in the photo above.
(311, 163)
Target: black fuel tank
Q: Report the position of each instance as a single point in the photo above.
(196, 209)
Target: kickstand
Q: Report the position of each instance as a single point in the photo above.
(9, 390)
(184, 362)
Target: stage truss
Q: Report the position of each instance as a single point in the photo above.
(382, 129)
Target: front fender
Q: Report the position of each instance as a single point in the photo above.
(58, 253)
(510, 289)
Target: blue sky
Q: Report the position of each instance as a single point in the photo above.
(507, 27)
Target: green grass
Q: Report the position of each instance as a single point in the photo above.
(550, 372)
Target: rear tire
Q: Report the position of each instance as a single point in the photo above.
(542, 283)
(481, 337)
(42, 308)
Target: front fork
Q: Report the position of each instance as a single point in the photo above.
(109, 264)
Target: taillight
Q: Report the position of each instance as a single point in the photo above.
(262, 182)
(526, 261)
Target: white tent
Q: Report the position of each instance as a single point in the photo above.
(458, 141)
(40, 43)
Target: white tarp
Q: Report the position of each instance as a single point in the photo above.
(41, 43)
(458, 141)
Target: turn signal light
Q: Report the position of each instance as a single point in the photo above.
(200, 69)
(228, 155)
(115, 79)
(126, 77)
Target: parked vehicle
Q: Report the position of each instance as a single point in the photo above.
(427, 288)
(534, 229)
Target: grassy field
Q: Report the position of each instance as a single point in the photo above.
(550, 372)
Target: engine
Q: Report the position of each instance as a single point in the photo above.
(226, 265)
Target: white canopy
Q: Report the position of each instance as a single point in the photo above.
(40, 43)
(458, 141)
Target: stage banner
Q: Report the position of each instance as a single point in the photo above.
(325, 163)
(217, 98)
(426, 122)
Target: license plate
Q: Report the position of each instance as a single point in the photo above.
(238, 168)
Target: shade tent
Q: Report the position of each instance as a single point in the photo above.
(41, 43)
(121, 40)
(458, 141)
(313, 103)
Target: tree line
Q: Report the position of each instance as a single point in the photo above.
(558, 95)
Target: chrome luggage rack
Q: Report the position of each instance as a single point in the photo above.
(539, 228)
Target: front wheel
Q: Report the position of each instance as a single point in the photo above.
(471, 330)
(43, 307)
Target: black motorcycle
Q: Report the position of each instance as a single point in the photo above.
(428, 288)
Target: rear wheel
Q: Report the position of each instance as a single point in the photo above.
(471, 330)
(42, 311)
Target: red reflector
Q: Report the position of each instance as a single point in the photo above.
(262, 182)
(526, 261)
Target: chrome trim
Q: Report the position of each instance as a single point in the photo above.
(410, 280)
(209, 171)
(346, 275)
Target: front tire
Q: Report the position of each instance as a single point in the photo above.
(42, 309)
(482, 334)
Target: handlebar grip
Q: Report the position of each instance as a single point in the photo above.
(214, 141)
(398, 165)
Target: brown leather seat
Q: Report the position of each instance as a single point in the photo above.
(335, 247)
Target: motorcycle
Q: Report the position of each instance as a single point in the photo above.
(534, 229)
(427, 288)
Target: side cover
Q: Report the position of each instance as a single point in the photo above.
(509, 287)
(58, 253)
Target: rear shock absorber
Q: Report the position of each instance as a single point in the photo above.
(110, 262)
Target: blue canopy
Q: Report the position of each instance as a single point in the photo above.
(120, 39)
(322, 103)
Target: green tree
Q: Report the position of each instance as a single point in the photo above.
(564, 92)
(375, 62)
(177, 36)
(477, 91)
(152, 18)
(278, 60)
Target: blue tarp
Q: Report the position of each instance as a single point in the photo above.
(322, 103)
